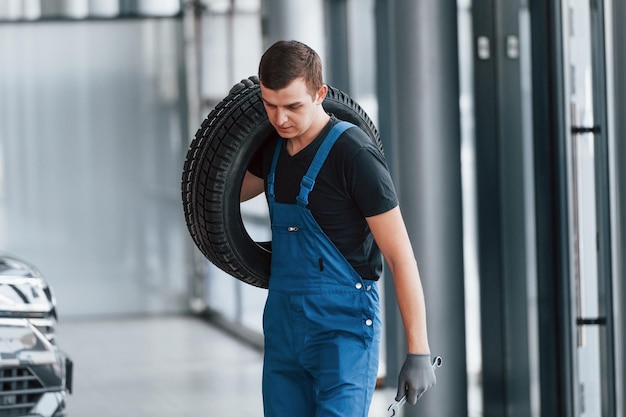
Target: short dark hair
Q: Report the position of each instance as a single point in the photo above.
(285, 61)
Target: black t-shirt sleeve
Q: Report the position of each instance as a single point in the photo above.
(370, 183)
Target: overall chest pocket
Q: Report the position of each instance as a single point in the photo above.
(295, 252)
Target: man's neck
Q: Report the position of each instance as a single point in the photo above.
(296, 144)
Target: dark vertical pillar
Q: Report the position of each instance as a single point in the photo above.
(423, 74)
(302, 20)
(619, 206)
(514, 209)
(276, 24)
(489, 215)
(555, 357)
(337, 61)
(603, 206)
(504, 204)
(126, 7)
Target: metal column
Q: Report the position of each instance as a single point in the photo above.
(550, 202)
(338, 65)
(301, 20)
(617, 134)
(419, 108)
(505, 194)
(321, 24)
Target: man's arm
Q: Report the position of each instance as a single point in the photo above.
(392, 238)
(417, 374)
(251, 187)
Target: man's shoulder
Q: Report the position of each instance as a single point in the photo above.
(355, 139)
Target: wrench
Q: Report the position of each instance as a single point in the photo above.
(394, 409)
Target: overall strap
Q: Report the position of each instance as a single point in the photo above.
(308, 181)
(272, 175)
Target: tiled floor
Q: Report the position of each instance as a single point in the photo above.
(168, 366)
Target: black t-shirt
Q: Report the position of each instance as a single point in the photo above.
(353, 183)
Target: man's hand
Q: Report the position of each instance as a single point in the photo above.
(416, 376)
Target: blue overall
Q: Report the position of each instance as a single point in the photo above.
(321, 320)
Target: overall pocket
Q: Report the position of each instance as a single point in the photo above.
(294, 253)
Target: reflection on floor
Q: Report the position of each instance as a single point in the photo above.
(165, 366)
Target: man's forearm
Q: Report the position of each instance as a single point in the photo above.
(412, 306)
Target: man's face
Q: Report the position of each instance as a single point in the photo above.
(292, 110)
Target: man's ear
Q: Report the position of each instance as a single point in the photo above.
(321, 94)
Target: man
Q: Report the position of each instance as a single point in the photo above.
(333, 210)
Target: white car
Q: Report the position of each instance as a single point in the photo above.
(35, 375)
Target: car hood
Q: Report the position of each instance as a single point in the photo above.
(25, 293)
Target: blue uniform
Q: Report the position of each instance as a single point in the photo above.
(322, 320)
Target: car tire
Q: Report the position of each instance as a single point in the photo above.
(213, 172)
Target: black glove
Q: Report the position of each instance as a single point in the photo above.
(416, 376)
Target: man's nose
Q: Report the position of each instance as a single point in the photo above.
(280, 117)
